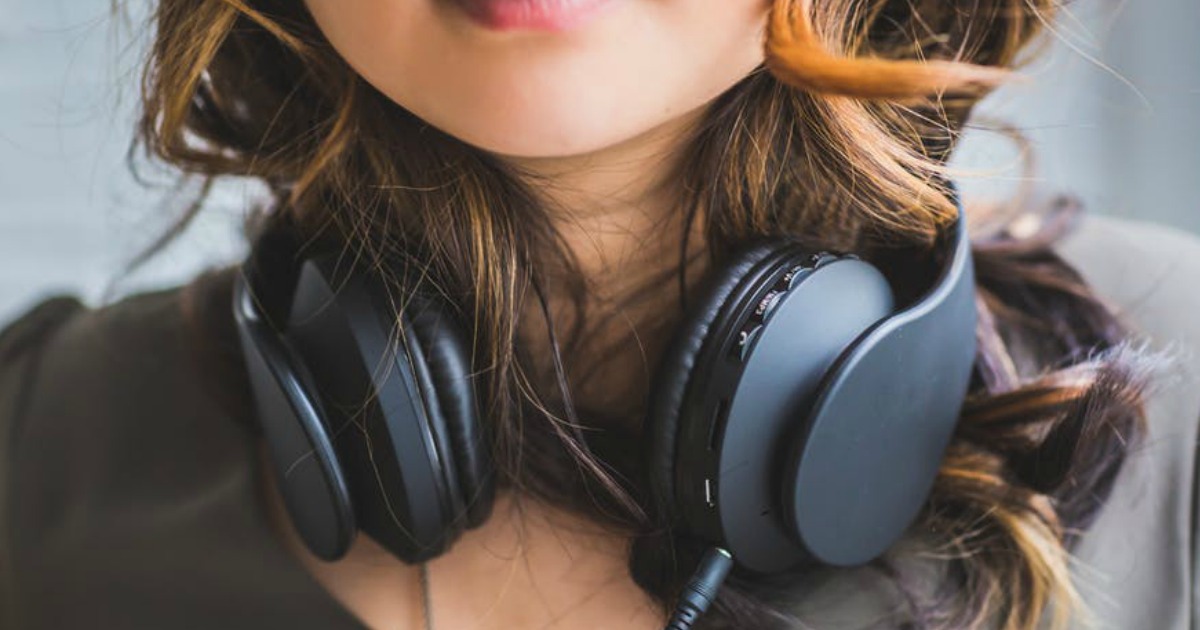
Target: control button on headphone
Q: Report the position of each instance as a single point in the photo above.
(767, 304)
(821, 259)
(745, 340)
(792, 278)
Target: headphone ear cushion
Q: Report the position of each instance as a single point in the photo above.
(678, 362)
(448, 362)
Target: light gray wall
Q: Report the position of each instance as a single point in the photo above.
(1113, 111)
(71, 214)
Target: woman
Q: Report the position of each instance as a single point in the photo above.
(566, 176)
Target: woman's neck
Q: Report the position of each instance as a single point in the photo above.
(617, 208)
(619, 212)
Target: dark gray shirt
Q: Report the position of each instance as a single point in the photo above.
(129, 498)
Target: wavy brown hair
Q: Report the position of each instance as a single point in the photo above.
(839, 140)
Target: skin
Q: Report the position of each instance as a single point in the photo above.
(598, 112)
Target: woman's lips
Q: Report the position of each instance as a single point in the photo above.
(550, 15)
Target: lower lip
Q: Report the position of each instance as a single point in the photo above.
(545, 15)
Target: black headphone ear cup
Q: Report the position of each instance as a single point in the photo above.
(385, 413)
(307, 470)
(675, 369)
(454, 403)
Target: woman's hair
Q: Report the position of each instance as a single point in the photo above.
(839, 140)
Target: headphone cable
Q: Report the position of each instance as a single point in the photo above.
(701, 588)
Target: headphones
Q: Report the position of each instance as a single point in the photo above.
(800, 413)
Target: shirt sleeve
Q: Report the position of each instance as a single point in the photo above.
(1137, 565)
(21, 342)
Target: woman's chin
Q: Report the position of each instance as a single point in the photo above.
(548, 134)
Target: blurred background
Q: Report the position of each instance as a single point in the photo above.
(1112, 112)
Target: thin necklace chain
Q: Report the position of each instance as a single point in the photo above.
(426, 600)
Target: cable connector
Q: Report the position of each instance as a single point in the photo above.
(701, 589)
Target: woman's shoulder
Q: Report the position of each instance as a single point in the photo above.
(1136, 565)
(70, 376)
(22, 342)
(90, 367)
(1148, 272)
(138, 356)
(125, 472)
